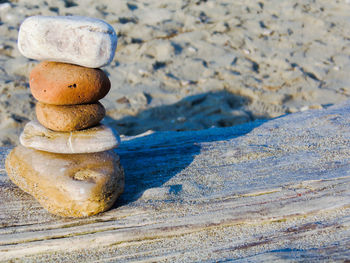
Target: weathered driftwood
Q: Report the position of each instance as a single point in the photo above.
(262, 191)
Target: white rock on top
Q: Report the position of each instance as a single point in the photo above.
(96, 139)
(84, 41)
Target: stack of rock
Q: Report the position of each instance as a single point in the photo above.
(65, 159)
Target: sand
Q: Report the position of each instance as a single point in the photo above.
(189, 65)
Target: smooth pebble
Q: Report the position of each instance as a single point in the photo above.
(84, 41)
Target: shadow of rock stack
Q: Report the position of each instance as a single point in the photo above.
(65, 159)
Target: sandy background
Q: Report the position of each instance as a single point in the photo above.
(183, 65)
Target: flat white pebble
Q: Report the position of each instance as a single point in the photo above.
(96, 139)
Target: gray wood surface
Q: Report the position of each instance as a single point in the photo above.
(266, 191)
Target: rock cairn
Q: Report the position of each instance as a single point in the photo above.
(65, 159)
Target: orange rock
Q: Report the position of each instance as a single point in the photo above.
(69, 117)
(66, 84)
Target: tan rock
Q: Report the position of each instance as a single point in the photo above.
(96, 139)
(66, 84)
(76, 185)
(69, 117)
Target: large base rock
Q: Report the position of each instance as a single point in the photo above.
(68, 185)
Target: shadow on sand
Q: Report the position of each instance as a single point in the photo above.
(197, 112)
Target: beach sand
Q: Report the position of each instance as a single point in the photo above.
(189, 65)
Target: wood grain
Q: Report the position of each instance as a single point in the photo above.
(264, 191)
